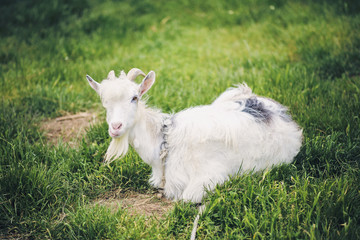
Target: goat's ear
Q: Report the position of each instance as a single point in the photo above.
(95, 85)
(147, 83)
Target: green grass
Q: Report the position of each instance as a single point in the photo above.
(304, 54)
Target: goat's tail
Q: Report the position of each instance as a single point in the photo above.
(240, 91)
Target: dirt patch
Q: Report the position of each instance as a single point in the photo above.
(69, 128)
(14, 236)
(136, 203)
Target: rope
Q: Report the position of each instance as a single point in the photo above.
(164, 150)
(196, 221)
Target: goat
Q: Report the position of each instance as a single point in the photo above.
(199, 147)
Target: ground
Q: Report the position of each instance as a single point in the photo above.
(68, 128)
(136, 203)
(307, 60)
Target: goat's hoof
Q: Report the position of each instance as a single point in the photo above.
(159, 195)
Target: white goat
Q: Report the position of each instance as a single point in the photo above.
(198, 147)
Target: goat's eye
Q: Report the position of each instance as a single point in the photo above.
(134, 99)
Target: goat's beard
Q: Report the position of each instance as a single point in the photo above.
(118, 148)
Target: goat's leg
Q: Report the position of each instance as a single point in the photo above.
(156, 176)
(196, 189)
(194, 192)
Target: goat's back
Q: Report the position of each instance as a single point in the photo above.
(238, 129)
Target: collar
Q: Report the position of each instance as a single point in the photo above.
(164, 148)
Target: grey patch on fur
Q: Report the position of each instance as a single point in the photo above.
(285, 116)
(256, 108)
(282, 111)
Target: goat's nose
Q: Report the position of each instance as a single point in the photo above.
(116, 125)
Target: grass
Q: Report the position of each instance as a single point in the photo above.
(305, 54)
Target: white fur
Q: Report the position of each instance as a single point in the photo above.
(207, 144)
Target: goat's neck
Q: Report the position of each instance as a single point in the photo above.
(146, 136)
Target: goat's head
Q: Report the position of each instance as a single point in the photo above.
(120, 98)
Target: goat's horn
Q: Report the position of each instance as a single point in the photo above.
(111, 74)
(133, 73)
(122, 75)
